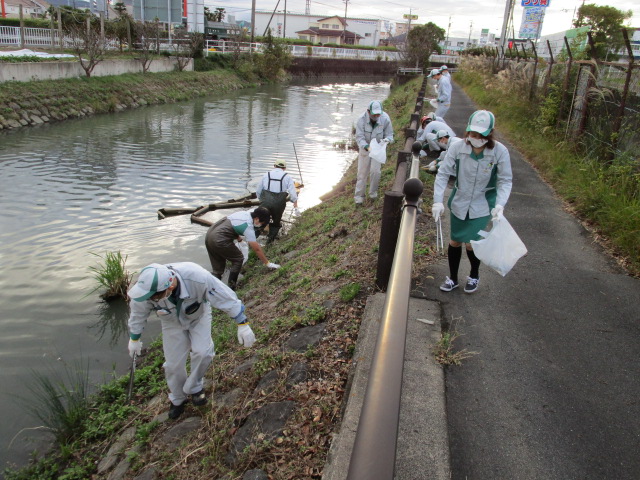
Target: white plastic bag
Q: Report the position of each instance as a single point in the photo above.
(500, 248)
(378, 151)
(434, 103)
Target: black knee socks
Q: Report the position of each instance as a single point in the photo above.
(454, 254)
(475, 264)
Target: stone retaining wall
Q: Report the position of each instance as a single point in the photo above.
(27, 72)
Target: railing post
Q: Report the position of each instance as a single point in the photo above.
(21, 26)
(391, 217)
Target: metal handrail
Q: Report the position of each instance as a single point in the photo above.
(374, 449)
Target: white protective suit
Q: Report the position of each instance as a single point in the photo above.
(184, 333)
(444, 95)
(433, 128)
(365, 132)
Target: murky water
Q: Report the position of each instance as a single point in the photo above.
(85, 187)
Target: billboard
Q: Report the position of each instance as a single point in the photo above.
(531, 24)
(535, 3)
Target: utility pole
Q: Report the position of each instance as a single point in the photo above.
(508, 10)
(253, 19)
(469, 40)
(448, 28)
(284, 27)
(344, 27)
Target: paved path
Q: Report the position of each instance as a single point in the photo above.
(554, 391)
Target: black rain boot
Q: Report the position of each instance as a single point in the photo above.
(233, 280)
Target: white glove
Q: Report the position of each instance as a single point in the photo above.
(432, 166)
(135, 347)
(272, 266)
(246, 336)
(436, 210)
(385, 140)
(296, 212)
(423, 153)
(496, 212)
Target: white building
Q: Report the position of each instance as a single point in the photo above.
(30, 8)
(286, 26)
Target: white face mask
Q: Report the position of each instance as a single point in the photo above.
(477, 142)
(443, 145)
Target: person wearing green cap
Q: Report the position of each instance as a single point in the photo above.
(482, 168)
(273, 191)
(373, 124)
(181, 296)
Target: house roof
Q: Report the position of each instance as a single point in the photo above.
(324, 32)
(342, 21)
(27, 3)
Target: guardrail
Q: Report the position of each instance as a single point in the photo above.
(374, 449)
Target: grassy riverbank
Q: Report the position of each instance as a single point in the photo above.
(603, 192)
(328, 269)
(35, 103)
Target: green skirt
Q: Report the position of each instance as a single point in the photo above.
(466, 230)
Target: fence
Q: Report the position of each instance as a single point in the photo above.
(224, 46)
(593, 100)
(374, 449)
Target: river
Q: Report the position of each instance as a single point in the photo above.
(77, 189)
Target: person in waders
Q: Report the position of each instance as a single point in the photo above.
(273, 191)
(221, 247)
(482, 168)
(181, 296)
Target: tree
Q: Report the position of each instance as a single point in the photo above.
(145, 33)
(217, 16)
(120, 7)
(606, 27)
(87, 43)
(421, 42)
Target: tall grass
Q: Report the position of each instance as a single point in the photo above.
(604, 192)
(59, 400)
(111, 275)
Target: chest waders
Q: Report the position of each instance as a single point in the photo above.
(275, 202)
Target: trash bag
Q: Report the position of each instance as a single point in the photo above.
(434, 103)
(378, 151)
(244, 248)
(500, 248)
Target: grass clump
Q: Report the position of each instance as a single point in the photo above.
(446, 354)
(111, 275)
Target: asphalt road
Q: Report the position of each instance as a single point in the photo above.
(554, 389)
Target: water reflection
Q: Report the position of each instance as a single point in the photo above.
(112, 321)
(94, 185)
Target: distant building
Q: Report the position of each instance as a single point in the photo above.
(403, 27)
(30, 8)
(369, 30)
(329, 30)
(577, 38)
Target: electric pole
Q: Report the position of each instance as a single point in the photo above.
(508, 10)
(344, 27)
(469, 40)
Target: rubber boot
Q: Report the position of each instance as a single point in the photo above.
(233, 280)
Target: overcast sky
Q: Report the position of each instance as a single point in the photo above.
(466, 15)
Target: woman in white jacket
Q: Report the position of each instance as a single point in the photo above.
(482, 168)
